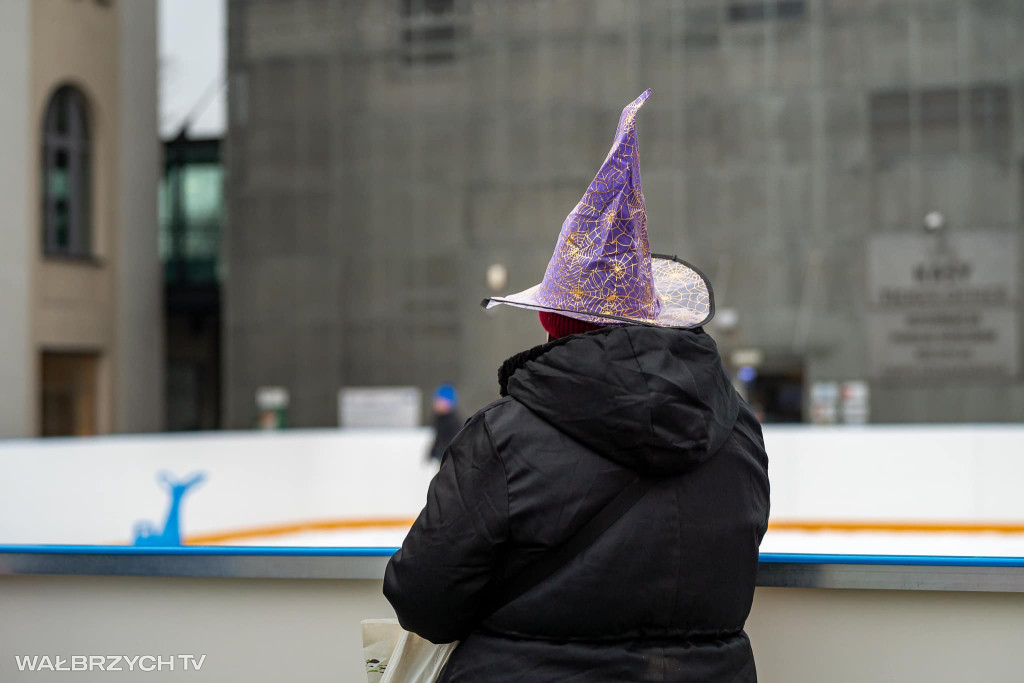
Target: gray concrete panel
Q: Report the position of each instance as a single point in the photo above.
(768, 161)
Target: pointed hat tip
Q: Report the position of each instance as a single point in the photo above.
(627, 121)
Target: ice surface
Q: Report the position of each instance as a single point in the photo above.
(978, 544)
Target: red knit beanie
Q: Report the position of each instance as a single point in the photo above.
(558, 325)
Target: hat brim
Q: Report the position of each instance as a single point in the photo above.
(687, 300)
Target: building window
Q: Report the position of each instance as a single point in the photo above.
(989, 112)
(69, 394)
(974, 120)
(67, 187)
(765, 10)
(700, 25)
(191, 210)
(430, 30)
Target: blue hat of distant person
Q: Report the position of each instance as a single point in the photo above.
(447, 392)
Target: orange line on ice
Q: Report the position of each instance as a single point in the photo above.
(299, 527)
(896, 525)
(781, 525)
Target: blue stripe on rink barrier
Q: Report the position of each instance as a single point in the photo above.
(313, 551)
(909, 560)
(199, 550)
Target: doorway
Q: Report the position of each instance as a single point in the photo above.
(69, 397)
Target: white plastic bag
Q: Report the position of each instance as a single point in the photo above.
(380, 636)
(416, 660)
(394, 655)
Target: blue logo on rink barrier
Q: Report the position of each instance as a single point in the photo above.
(146, 533)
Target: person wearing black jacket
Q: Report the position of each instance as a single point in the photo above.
(629, 388)
(447, 421)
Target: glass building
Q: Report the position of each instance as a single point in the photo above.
(191, 219)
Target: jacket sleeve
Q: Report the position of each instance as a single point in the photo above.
(437, 581)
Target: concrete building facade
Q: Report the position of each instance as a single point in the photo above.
(382, 155)
(80, 343)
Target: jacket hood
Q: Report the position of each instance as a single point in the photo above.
(655, 400)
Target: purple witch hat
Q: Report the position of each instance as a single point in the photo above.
(602, 270)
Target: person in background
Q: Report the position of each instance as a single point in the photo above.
(628, 396)
(447, 422)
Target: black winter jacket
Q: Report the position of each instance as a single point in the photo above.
(663, 594)
(446, 426)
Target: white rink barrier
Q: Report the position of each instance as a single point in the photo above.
(95, 490)
(265, 631)
(968, 473)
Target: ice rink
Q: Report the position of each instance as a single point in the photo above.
(880, 490)
(978, 544)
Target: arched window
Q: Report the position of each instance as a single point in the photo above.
(67, 205)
